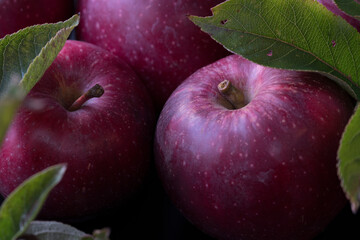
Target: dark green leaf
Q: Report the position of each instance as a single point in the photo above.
(289, 34)
(43, 230)
(24, 57)
(351, 7)
(24, 203)
(8, 107)
(53, 230)
(349, 160)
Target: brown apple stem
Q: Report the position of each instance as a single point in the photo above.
(95, 91)
(233, 95)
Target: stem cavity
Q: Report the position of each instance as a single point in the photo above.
(95, 91)
(232, 95)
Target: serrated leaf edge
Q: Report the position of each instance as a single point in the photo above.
(58, 170)
(66, 31)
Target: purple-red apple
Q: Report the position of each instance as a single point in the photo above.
(106, 141)
(158, 40)
(257, 160)
(331, 6)
(18, 14)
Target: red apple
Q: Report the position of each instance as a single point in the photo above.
(258, 167)
(106, 141)
(158, 40)
(18, 14)
(331, 6)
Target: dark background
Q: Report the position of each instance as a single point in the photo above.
(150, 215)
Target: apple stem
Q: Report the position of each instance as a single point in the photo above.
(95, 91)
(233, 95)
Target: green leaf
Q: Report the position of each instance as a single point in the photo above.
(349, 160)
(289, 34)
(351, 7)
(24, 57)
(24, 203)
(8, 107)
(44, 230)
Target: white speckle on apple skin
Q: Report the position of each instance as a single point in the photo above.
(53, 135)
(252, 153)
(26, 13)
(161, 32)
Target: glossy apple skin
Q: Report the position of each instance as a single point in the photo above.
(18, 14)
(331, 6)
(158, 40)
(107, 143)
(265, 171)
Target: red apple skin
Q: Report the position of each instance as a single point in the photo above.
(107, 143)
(265, 171)
(331, 6)
(18, 14)
(158, 40)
